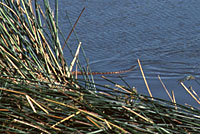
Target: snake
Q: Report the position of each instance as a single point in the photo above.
(100, 73)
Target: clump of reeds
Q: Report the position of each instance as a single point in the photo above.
(39, 94)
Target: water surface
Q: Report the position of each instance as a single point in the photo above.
(164, 35)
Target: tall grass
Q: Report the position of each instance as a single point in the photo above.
(39, 94)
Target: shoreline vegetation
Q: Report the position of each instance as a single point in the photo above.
(39, 93)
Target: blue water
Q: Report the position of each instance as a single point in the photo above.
(163, 34)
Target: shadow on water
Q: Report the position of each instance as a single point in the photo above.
(164, 35)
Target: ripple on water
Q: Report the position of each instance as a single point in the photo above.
(164, 35)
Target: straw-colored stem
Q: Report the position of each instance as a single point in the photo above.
(38, 105)
(31, 104)
(165, 88)
(31, 125)
(190, 93)
(119, 86)
(67, 118)
(75, 57)
(174, 99)
(148, 120)
(145, 81)
(93, 121)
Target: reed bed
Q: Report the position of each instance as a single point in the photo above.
(40, 94)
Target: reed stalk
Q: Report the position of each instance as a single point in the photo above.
(38, 96)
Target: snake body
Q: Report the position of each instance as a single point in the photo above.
(99, 73)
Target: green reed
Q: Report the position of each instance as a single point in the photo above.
(39, 94)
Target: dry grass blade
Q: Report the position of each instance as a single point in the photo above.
(28, 124)
(119, 86)
(174, 100)
(75, 57)
(145, 81)
(31, 104)
(148, 120)
(165, 88)
(190, 92)
(12, 91)
(38, 105)
(67, 118)
(107, 124)
(93, 121)
(195, 93)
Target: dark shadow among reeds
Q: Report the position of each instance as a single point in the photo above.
(40, 94)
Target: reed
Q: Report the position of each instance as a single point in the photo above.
(39, 93)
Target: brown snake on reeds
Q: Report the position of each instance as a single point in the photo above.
(99, 73)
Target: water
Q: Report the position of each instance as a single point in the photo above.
(164, 35)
